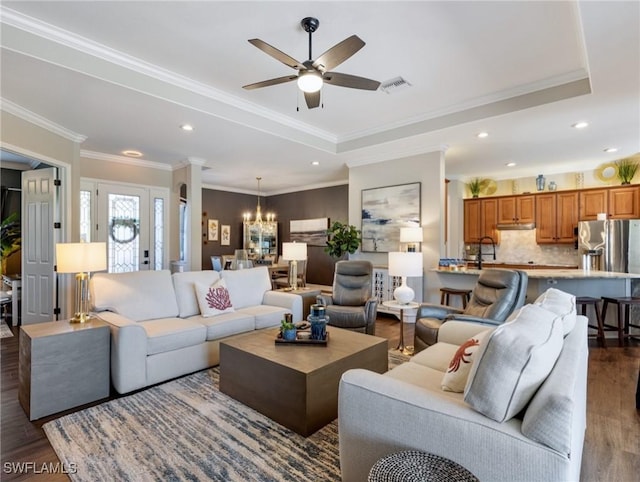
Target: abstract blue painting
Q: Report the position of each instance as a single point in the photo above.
(384, 211)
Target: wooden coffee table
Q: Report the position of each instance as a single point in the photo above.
(297, 386)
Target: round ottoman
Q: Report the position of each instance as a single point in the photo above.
(416, 466)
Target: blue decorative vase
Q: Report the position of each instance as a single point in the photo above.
(289, 335)
(318, 328)
(540, 180)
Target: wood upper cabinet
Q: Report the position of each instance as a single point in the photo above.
(480, 219)
(516, 210)
(617, 202)
(624, 202)
(556, 217)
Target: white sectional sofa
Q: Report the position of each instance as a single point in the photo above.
(507, 425)
(157, 330)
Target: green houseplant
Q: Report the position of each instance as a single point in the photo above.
(288, 330)
(626, 168)
(343, 239)
(475, 185)
(10, 237)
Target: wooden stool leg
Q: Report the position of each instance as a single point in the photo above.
(464, 301)
(442, 297)
(620, 326)
(600, 326)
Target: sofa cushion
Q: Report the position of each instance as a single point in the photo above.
(436, 356)
(138, 295)
(265, 316)
(247, 286)
(455, 378)
(513, 362)
(423, 377)
(227, 324)
(562, 304)
(213, 300)
(169, 334)
(185, 292)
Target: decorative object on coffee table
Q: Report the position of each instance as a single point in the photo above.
(318, 319)
(287, 328)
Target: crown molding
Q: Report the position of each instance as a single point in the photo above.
(396, 153)
(100, 156)
(24, 114)
(81, 44)
(310, 187)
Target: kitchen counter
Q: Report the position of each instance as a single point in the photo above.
(554, 273)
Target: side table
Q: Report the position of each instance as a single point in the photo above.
(394, 305)
(308, 296)
(63, 365)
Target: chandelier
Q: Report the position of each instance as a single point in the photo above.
(270, 217)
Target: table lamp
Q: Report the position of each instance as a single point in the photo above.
(294, 252)
(411, 236)
(81, 258)
(404, 265)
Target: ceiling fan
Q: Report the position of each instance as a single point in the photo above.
(312, 74)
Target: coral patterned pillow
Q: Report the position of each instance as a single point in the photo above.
(455, 378)
(213, 300)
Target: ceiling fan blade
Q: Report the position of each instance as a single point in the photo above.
(352, 81)
(277, 54)
(312, 99)
(267, 83)
(338, 53)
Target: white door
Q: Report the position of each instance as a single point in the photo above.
(40, 210)
(123, 222)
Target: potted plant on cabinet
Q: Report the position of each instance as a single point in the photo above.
(475, 185)
(626, 168)
(343, 239)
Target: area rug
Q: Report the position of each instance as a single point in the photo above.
(187, 430)
(5, 331)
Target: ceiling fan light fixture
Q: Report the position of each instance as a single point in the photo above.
(310, 81)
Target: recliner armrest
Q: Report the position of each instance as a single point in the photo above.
(324, 299)
(473, 319)
(439, 312)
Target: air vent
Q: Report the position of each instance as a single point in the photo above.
(394, 85)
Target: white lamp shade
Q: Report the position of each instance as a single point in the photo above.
(81, 257)
(309, 81)
(405, 264)
(294, 251)
(411, 235)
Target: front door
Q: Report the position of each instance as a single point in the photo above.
(123, 223)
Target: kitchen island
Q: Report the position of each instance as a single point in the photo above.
(578, 282)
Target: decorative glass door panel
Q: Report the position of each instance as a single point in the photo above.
(124, 223)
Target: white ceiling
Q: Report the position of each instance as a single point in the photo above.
(126, 75)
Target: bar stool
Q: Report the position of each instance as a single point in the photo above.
(583, 302)
(464, 295)
(623, 318)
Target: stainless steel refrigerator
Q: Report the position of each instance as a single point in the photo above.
(611, 245)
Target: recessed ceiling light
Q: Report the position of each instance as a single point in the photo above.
(131, 153)
(580, 125)
(510, 164)
(611, 149)
(315, 163)
(482, 135)
(186, 127)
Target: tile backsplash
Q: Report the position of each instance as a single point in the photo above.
(521, 247)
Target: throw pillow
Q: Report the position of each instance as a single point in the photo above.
(213, 300)
(455, 378)
(513, 362)
(562, 304)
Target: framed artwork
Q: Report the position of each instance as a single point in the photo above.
(225, 235)
(212, 230)
(310, 231)
(384, 211)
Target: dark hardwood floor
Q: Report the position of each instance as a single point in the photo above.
(612, 443)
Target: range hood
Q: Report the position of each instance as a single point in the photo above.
(516, 227)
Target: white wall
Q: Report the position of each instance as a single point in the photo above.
(428, 169)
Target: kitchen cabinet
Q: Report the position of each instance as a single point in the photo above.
(621, 202)
(624, 202)
(480, 220)
(556, 217)
(516, 210)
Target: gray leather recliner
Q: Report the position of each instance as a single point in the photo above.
(351, 305)
(496, 295)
